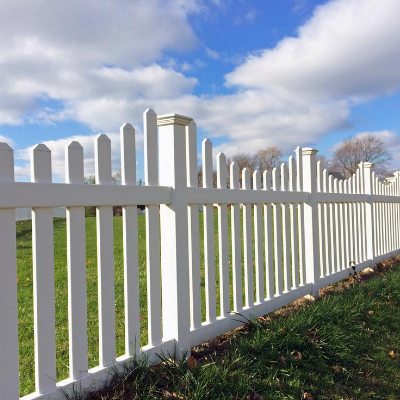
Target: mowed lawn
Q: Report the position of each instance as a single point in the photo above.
(345, 346)
(25, 293)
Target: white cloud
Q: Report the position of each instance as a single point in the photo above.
(348, 49)
(101, 61)
(212, 54)
(57, 148)
(79, 50)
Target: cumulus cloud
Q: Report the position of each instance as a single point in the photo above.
(88, 49)
(101, 62)
(57, 148)
(348, 49)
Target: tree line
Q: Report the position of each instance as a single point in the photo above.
(343, 163)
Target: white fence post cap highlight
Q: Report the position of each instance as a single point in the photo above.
(308, 151)
(173, 119)
(368, 165)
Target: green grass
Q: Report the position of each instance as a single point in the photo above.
(344, 346)
(25, 293)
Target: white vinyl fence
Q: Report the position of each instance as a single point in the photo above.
(307, 228)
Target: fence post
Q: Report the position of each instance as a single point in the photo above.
(311, 238)
(369, 212)
(174, 232)
(9, 379)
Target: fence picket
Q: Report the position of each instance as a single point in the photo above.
(268, 237)
(363, 216)
(43, 278)
(152, 230)
(333, 229)
(294, 239)
(358, 221)
(193, 227)
(327, 218)
(130, 244)
(76, 256)
(351, 225)
(223, 239)
(247, 243)
(347, 229)
(105, 256)
(338, 249)
(276, 186)
(321, 221)
(236, 243)
(9, 379)
(286, 231)
(343, 221)
(258, 243)
(208, 215)
(302, 260)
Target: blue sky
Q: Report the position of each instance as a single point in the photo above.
(251, 73)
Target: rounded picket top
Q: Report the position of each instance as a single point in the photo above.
(246, 178)
(221, 156)
(127, 126)
(149, 111)
(102, 136)
(41, 164)
(267, 180)
(74, 163)
(221, 170)
(41, 147)
(207, 163)
(336, 185)
(256, 180)
(4, 146)
(74, 145)
(234, 175)
(6, 163)
(276, 180)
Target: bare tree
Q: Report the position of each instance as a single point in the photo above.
(326, 163)
(362, 148)
(268, 158)
(245, 160)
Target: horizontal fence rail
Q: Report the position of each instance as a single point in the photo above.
(296, 228)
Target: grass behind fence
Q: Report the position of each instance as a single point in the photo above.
(25, 292)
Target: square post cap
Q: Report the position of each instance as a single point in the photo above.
(173, 119)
